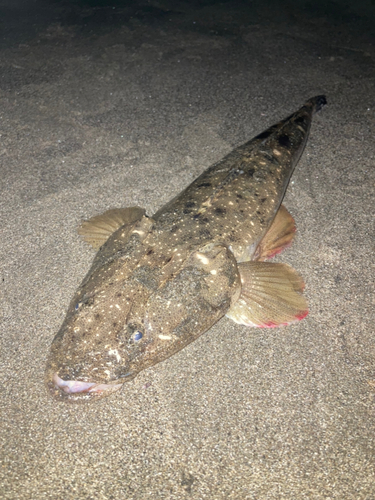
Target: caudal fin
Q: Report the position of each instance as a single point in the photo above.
(318, 102)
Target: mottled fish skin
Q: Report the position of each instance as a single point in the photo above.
(158, 283)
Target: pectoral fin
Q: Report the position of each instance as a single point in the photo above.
(98, 229)
(270, 295)
(279, 236)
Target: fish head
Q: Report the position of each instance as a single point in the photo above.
(114, 329)
(90, 356)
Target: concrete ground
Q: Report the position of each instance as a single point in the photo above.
(110, 105)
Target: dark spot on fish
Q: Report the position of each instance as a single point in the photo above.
(269, 156)
(284, 140)
(119, 294)
(220, 211)
(204, 184)
(168, 260)
(174, 229)
(97, 316)
(259, 213)
(196, 216)
(263, 200)
(264, 134)
(132, 327)
(239, 196)
(300, 119)
(114, 324)
(190, 204)
(187, 211)
(204, 220)
(150, 251)
(250, 172)
(205, 232)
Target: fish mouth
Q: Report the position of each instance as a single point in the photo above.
(75, 388)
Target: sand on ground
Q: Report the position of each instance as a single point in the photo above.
(105, 106)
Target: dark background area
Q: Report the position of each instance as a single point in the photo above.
(22, 20)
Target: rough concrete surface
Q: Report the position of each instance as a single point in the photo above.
(110, 105)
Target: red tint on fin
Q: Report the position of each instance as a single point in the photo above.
(279, 236)
(270, 296)
(302, 315)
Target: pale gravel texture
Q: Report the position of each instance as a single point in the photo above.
(102, 108)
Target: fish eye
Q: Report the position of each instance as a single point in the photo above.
(86, 301)
(137, 336)
(134, 333)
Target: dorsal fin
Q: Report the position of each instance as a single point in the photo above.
(99, 228)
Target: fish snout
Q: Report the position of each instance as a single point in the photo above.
(75, 371)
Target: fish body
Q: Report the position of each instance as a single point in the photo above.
(157, 283)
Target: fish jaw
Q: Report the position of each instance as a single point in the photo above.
(75, 390)
(75, 375)
(91, 354)
(73, 380)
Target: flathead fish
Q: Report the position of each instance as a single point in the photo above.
(157, 283)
